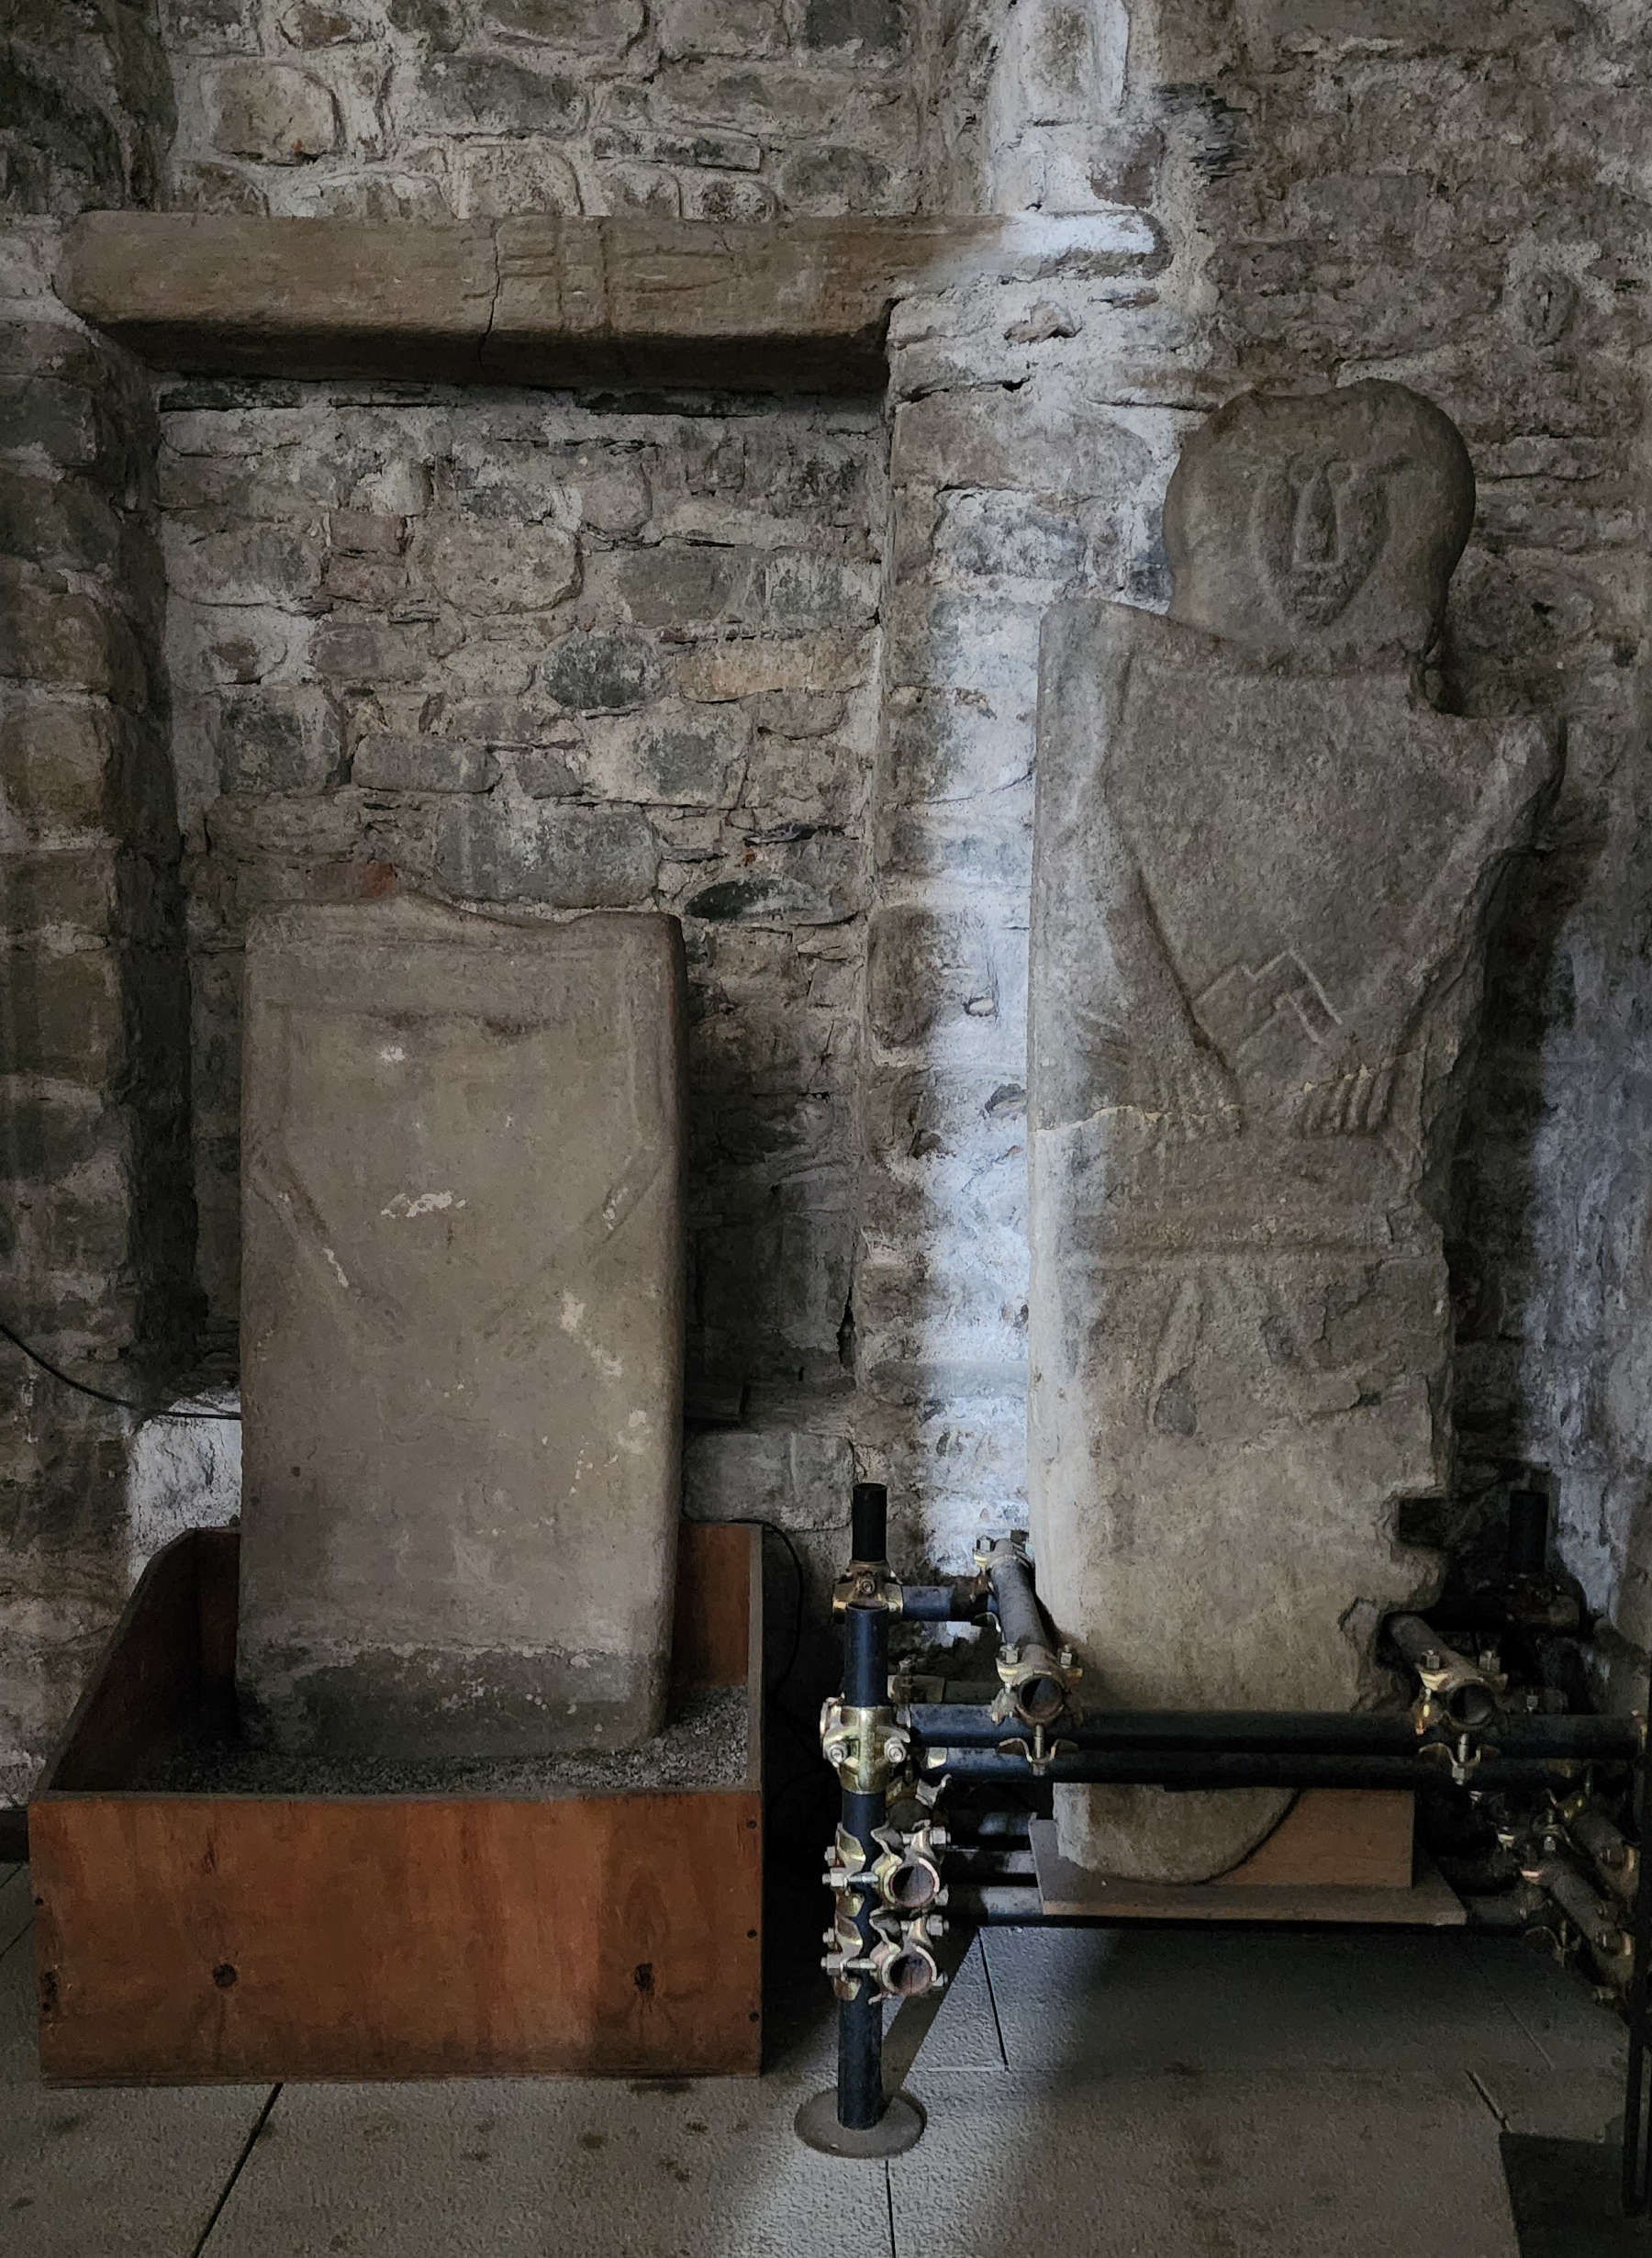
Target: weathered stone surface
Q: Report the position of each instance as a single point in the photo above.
(463, 1313)
(65, 1016)
(1325, 524)
(484, 93)
(600, 673)
(875, 27)
(590, 25)
(57, 767)
(272, 111)
(483, 566)
(59, 636)
(543, 298)
(1261, 885)
(275, 293)
(423, 764)
(492, 179)
(57, 522)
(574, 858)
(1474, 26)
(720, 27)
(798, 1481)
(282, 738)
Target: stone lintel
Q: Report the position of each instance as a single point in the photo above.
(795, 305)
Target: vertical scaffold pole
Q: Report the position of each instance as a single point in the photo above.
(853, 2117)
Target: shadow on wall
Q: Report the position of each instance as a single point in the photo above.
(1551, 1204)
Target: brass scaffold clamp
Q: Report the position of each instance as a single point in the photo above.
(866, 1747)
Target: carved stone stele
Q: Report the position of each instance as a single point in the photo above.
(462, 1331)
(1262, 868)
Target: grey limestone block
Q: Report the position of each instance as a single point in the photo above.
(462, 1308)
(1263, 862)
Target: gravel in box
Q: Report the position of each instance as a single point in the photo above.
(703, 1745)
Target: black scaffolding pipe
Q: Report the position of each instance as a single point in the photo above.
(1171, 1769)
(943, 1603)
(1258, 1733)
(859, 2008)
(962, 1743)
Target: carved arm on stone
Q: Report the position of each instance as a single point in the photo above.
(1379, 1026)
(1177, 1075)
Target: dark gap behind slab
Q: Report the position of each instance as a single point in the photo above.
(1565, 2198)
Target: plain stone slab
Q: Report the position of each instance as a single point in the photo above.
(512, 2169)
(1111, 2004)
(85, 2171)
(1186, 2167)
(461, 1331)
(1263, 871)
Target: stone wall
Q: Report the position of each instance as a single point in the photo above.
(96, 1244)
(426, 109)
(512, 648)
(1341, 191)
(770, 664)
(86, 106)
(95, 1215)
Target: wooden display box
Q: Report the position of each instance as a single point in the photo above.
(207, 1938)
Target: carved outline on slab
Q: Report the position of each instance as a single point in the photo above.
(1318, 528)
(274, 1174)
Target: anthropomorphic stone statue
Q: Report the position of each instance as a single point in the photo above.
(1262, 868)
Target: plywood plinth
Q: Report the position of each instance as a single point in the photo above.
(1337, 1864)
(206, 1938)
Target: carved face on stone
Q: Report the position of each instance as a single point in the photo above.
(1332, 522)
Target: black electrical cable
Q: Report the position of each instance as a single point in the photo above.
(102, 1395)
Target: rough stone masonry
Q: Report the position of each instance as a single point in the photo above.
(1262, 863)
(462, 1329)
(1326, 190)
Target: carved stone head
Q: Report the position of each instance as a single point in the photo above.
(1325, 522)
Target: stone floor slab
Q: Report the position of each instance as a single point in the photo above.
(1111, 2002)
(1582, 2102)
(1334, 2165)
(1194, 2100)
(963, 2035)
(1552, 2005)
(84, 2173)
(514, 2169)
(957, 2031)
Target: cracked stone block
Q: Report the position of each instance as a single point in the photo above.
(1262, 868)
(463, 1309)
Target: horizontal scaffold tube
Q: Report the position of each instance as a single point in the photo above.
(943, 1603)
(1183, 1767)
(1274, 1732)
